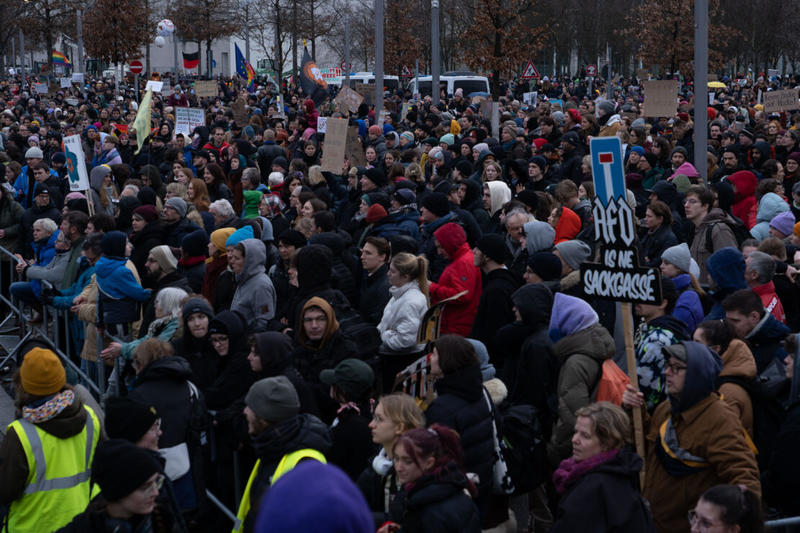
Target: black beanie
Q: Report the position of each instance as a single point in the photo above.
(546, 265)
(113, 244)
(493, 246)
(120, 468)
(376, 176)
(128, 419)
(195, 244)
(529, 198)
(436, 203)
(293, 238)
(196, 305)
(464, 167)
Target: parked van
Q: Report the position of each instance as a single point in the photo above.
(468, 82)
(392, 83)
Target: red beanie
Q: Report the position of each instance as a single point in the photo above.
(576, 117)
(375, 213)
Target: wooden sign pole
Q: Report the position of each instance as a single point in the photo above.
(630, 356)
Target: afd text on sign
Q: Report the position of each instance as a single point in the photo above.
(619, 277)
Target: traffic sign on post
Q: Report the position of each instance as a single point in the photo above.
(530, 72)
(136, 66)
(591, 71)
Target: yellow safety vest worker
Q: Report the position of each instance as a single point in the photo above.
(58, 485)
(287, 462)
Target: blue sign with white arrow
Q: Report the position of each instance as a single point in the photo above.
(607, 169)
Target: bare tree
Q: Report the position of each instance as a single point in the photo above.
(205, 21)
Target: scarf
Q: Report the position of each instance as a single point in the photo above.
(570, 470)
(49, 409)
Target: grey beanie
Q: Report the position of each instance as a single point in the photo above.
(273, 399)
(574, 252)
(681, 150)
(178, 204)
(679, 256)
(165, 258)
(606, 107)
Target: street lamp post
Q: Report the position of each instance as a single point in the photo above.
(435, 66)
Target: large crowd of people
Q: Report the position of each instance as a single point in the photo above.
(254, 315)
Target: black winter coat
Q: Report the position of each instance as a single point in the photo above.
(174, 233)
(607, 499)
(374, 295)
(379, 490)
(352, 442)
(461, 406)
(203, 359)
(164, 385)
(144, 241)
(654, 244)
(495, 308)
(436, 504)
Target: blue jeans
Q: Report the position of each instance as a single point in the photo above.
(21, 290)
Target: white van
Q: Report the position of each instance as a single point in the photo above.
(392, 83)
(468, 82)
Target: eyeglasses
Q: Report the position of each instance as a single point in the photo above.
(153, 487)
(691, 201)
(703, 525)
(675, 368)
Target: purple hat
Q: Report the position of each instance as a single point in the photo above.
(783, 222)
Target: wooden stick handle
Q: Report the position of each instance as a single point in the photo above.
(630, 356)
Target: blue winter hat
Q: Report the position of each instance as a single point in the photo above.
(638, 149)
(243, 233)
(113, 244)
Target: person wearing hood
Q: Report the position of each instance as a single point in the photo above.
(461, 404)
(738, 367)
(744, 184)
(281, 437)
(163, 381)
(707, 219)
(598, 485)
(532, 376)
(495, 307)
(458, 276)
(770, 206)
(759, 276)
(581, 345)
(609, 121)
(693, 440)
(195, 345)
(320, 345)
(658, 329)
(495, 195)
(726, 270)
(270, 356)
(760, 153)
(65, 432)
(255, 295)
(146, 234)
(435, 213)
(226, 332)
(103, 193)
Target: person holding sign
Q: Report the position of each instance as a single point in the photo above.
(694, 440)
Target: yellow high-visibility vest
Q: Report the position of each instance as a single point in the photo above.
(58, 485)
(287, 462)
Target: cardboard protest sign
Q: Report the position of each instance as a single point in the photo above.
(355, 150)
(334, 150)
(660, 98)
(66, 83)
(239, 111)
(205, 88)
(41, 88)
(156, 86)
(775, 101)
(187, 119)
(349, 98)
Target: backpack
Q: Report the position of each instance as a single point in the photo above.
(611, 383)
(737, 227)
(766, 392)
(525, 448)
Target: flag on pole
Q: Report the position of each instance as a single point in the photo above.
(58, 57)
(311, 80)
(142, 122)
(244, 69)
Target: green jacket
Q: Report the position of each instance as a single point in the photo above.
(71, 272)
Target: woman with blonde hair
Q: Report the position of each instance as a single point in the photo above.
(403, 314)
(601, 474)
(198, 203)
(394, 414)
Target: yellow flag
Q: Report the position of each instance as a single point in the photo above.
(142, 122)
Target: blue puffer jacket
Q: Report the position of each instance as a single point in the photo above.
(118, 292)
(688, 308)
(44, 251)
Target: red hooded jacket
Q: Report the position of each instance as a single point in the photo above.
(461, 274)
(744, 207)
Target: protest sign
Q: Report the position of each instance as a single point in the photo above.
(41, 88)
(187, 119)
(155, 85)
(76, 163)
(775, 101)
(66, 83)
(77, 77)
(349, 98)
(239, 111)
(660, 98)
(205, 88)
(322, 123)
(530, 98)
(355, 151)
(335, 145)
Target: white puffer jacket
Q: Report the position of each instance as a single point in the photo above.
(402, 317)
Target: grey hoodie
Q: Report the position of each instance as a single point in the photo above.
(255, 295)
(539, 236)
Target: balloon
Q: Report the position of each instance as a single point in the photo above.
(166, 28)
(160, 42)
